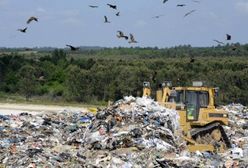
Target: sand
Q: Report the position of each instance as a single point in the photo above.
(13, 108)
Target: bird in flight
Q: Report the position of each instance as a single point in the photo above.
(32, 18)
(158, 16)
(188, 13)
(181, 5)
(165, 1)
(106, 20)
(192, 60)
(219, 42)
(234, 48)
(121, 35)
(117, 14)
(132, 40)
(28, 49)
(112, 6)
(72, 47)
(23, 30)
(228, 37)
(93, 6)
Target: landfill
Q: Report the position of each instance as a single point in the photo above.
(131, 133)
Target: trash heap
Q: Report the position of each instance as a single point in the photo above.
(134, 122)
(133, 132)
(46, 140)
(238, 130)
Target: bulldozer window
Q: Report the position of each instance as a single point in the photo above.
(193, 97)
(192, 107)
(200, 98)
(204, 99)
(178, 97)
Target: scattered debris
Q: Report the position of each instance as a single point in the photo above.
(132, 132)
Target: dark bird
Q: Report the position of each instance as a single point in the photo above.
(188, 13)
(72, 47)
(23, 30)
(192, 60)
(132, 40)
(106, 19)
(181, 5)
(112, 6)
(32, 18)
(196, 1)
(158, 16)
(219, 42)
(228, 37)
(165, 1)
(28, 49)
(234, 48)
(121, 35)
(93, 6)
(117, 14)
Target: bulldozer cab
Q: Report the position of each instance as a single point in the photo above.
(190, 100)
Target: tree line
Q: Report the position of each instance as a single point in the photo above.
(109, 74)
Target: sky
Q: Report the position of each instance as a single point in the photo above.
(73, 22)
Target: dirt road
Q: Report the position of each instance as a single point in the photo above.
(10, 108)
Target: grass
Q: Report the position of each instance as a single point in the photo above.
(19, 99)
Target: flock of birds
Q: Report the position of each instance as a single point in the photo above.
(120, 34)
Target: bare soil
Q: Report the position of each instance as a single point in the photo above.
(13, 108)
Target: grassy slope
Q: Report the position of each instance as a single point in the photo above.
(15, 98)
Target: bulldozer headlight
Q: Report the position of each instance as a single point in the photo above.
(225, 115)
(146, 84)
(218, 115)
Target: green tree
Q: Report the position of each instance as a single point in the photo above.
(78, 86)
(58, 55)
(27, 81)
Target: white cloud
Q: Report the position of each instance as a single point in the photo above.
(70, 13)
(71, 17)
(140, 23)
(71, 21)
(41, 10)
(242, 6)
(213, 15)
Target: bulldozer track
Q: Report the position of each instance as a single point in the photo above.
(208, 129)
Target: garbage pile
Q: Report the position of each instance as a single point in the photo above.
(238, 130)
(133, 132)
(134, 122)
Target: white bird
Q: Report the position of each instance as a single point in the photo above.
(132, 40)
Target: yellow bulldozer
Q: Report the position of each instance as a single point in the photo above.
(201, 122)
